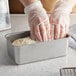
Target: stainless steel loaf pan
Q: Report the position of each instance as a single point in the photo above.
(35, 52)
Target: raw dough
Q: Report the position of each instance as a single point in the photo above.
(22, 41)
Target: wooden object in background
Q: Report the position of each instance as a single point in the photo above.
(16, 7)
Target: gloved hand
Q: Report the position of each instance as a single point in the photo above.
(60, 20)
(38, 21)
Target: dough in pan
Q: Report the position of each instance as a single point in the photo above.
(22, 41)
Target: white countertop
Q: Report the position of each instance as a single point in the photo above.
(44, 68)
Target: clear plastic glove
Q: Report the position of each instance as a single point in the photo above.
(60, 20)
(38, 21)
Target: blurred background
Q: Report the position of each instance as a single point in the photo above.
(17, 8)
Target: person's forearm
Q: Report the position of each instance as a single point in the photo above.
(27, 2)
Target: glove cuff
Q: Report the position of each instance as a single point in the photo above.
(32, 6)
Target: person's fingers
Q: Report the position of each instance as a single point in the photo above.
(63, 28)
(63, 31)
(50, 31)
(57, 28)
(32, 33)
(32, 30)
(52, 35)
(67, 22)
(51, 19)
(66, 29)
(37, 29)
(55, 32)
(52, 28)
(37, 33)
(31, 24)
(47, 26)
(60, 31)
(43, 31)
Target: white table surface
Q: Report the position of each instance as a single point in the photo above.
(44, 68)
